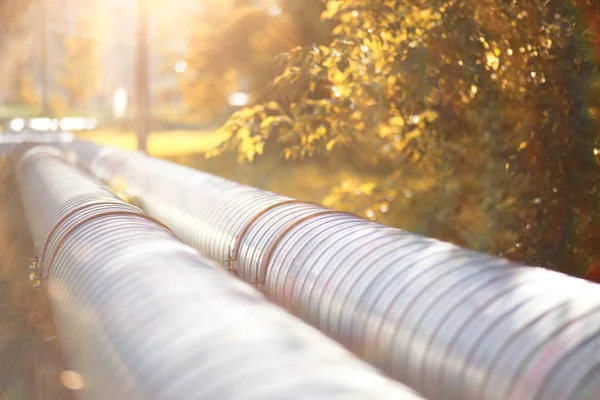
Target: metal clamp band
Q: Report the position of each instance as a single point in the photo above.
(262, 272)
(39, 151)
(81, 223)
(233, 256)
(35, 263)
(69, 215)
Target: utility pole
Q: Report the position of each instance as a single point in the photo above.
(44, 59)
(142, 94)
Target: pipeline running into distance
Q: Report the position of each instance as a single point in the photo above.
(449, 322)
(141, 315)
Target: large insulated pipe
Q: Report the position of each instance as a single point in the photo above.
(142, 316)
(451, 323)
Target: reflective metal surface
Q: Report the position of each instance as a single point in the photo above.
(142, 316)
(452, 323)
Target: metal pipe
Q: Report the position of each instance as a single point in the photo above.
(142, 316)
(451, 323)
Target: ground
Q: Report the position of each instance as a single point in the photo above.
(160, 144)
(30, 358)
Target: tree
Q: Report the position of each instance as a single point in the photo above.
(591, 11)
(472, 115)
(10, 14)
(79, 75)
(233, 46)
(24, 90)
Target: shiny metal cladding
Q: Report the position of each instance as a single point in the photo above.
(141, 315)
(451, 323)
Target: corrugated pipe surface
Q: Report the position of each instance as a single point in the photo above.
(452, 323)
(142, 316)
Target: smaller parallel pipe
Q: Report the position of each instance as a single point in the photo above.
(142, 316)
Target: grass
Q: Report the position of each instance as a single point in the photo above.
(160, 144)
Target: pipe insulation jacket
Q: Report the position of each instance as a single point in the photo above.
(141, 315)
(450, 322)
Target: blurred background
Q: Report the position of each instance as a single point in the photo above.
(474, 121)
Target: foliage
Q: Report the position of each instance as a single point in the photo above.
(23, 89)
(472, 115)
(233, 46)
(79, 75)
(10, 13)
(591, 11)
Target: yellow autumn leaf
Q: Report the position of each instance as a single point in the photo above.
(267, 122)
(385, 131)
(272, 105)
(330, 144)
(522, 146)
(243, 133)
(367, 188)
(425, 14)
(397, 121)
(324, 50)
(428, 115)
(337, 76)
(415, 133)
(259, 147)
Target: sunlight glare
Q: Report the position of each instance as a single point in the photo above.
(275, 10)
(239, 99)
(71, 380)
(180, 66)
